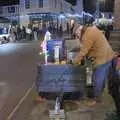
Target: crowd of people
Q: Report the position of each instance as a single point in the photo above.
(31, 32)
(20, 32)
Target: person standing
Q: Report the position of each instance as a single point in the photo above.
(68, 28)
(95, 45)
(18, 33)
(28, 33)
(47, 37)
(35, 33)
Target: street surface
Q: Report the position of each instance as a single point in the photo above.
(17, 74)
(18, 62)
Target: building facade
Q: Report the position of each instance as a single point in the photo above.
(11, 12)
(30, 11)
(41, 13)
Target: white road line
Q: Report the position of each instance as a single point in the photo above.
(20, 102)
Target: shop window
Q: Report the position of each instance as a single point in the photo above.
(27, 4)
(11, 9)
(40, 3)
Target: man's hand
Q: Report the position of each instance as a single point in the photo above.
(76, 62)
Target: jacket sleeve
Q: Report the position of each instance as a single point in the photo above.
(87, 43)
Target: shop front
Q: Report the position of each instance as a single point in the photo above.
(44, 20)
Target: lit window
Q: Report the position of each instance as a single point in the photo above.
(27, 4)
(11, 9)
(40, 3)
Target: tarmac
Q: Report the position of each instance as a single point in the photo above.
(30, 109)
(74, 110)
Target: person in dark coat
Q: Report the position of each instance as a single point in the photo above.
(114, 84)
(18, 33)
(67, 27)
(107, 33)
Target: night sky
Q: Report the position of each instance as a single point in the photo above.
(8, 2)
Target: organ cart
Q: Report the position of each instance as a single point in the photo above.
(61, 81)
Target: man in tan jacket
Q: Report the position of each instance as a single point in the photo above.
(95, 45)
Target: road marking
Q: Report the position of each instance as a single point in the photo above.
(20, 102)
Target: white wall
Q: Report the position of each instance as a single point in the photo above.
(66, 7)
(79, 6)
(54, 8)
(48, 6)
(5, 12)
